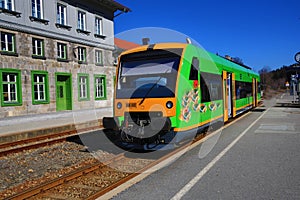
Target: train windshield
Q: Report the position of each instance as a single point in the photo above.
(148, 74)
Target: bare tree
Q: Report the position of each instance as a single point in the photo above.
(264, 76)
(238, 60)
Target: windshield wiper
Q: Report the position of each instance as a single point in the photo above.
(142, 101)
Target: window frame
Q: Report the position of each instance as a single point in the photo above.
(18, 84)
(98, 26)
(211, 87)
(59, 12)
(82, 54)
(7, 10)
(194, 69)
(97, 53)
(97, 97)
(99, 31)
(87, 87)
(59, 52)
(7, 43)
(81, 21)
(61, 9)
(35, 43)
(243, 89)
(5, 2)
(46, 100)
(34, 10)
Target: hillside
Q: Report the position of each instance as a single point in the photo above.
(274, 82)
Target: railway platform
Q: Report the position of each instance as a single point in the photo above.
(255, 157)
(24, 127)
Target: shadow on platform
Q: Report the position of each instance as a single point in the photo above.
(287, 105)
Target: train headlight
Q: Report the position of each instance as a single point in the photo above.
(169, 104)
(119, 105)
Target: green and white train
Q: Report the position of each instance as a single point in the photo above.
(168, 92)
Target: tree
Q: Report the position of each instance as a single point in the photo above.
(238, 60)
(264, 70)
(264, 75)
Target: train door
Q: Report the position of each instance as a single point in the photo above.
(227, 95)
(233, 95)
(254, 92)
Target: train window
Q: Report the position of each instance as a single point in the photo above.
(194, 69)
(211, 87)
(205, 97)
(214, 91)
(149, 82)
(155, 66)
(153, 77)
(243, 89)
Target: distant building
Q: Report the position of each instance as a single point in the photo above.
(122, 45)
(228, 57)
(56, 55)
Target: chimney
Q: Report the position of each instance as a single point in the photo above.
(145, 41)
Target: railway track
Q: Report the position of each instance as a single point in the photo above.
(40, 141)
(95, 180)
(39, 190)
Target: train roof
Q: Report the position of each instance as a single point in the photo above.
(221, 61)
(156, 46)
(230, 65)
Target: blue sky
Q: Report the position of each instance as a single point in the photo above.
(262, 33)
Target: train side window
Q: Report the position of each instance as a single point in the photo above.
(243, 89)
(211, 87)
(194, 69)
(205, 97)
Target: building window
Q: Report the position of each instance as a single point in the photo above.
(83, 85)
(62, 51)
(100, 87)
(81, 21)
(98, 57)
(61, 18)
(7, 4)
(11, 93)
(98, 26)
(37, 47)
(37, 9)
(8, 7)
(82, 54)
(61, 14)
(40, 89)
(8, 42)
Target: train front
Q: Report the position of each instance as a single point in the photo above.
(145, 97)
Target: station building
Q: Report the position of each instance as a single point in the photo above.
(56, 55)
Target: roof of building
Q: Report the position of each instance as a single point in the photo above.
(116, 5)
(123, 44)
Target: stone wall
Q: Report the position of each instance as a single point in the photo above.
(26, 64)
